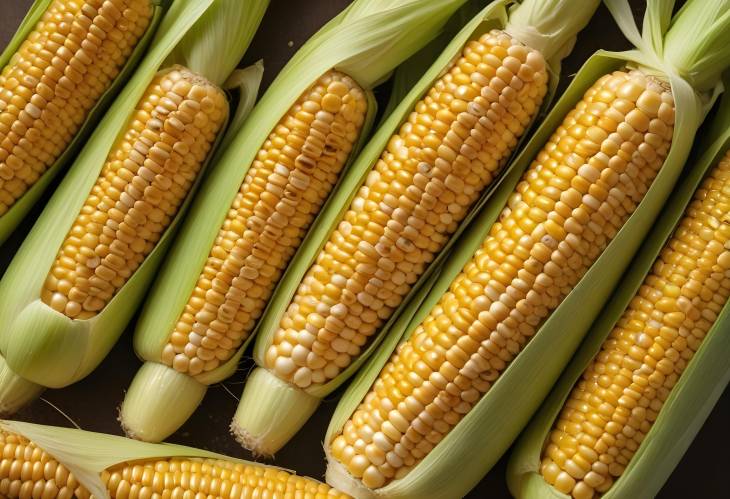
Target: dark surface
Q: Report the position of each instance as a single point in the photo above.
(92, 403)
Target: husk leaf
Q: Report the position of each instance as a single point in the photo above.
(214, 45)
(691, 399)
(10, 220)
(477, 442)
(34, 334)
(87, 454)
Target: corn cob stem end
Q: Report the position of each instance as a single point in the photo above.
(15, 391)
(339, 477)
(270, 413)
(158, 402)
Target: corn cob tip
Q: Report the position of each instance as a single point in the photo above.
(270, 413)
(158, 402)
(15, 391)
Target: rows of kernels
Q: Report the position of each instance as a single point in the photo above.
(572, 200)
(283, 191)
(450, 148)
(147, 176)
(617, 400)
(26, 472)
(208, 478)
(55, 78)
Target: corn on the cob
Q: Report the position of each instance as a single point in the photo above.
(452, 146)
(94, 250)
(615, 404)
(284, 189)
(27, 471)
(148, 174)
(52, 82)
(577, 194)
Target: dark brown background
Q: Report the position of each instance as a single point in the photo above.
(93, 402)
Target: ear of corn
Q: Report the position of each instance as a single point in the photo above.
(253, 212)
(324, 322)
(59, 73)
(79, 276)
(685, 367)
(506, 290)
(439, 415)
(59, 463)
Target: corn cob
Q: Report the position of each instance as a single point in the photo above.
(59, 73)
(95, 248)
(452, 146)
(27, 471)
(284, 189)
(573, 199)
(614, 405)
(148, 174)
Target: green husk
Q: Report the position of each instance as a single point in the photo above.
(366, 41)
(87, 454)
(39, 344)
(691, 399)
(177, 394)
(477, 442)
(270, 413)
(496, 15)
(10, 220)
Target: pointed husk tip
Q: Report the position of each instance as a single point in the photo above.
(698, 42)
(270, 413)
(15, 391)
(550, 26)
(158, 402)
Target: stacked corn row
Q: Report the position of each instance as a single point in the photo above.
(283, 191)
(615, 404)
(26, 471)
(56, 77)
(450, 148)
(573, 199)
(145, 179)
